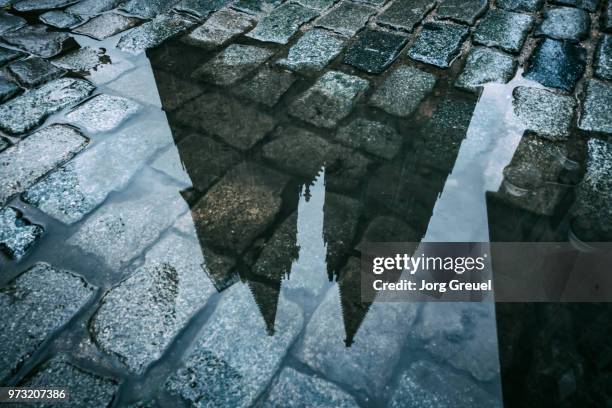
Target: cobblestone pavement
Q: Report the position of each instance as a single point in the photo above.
(185, 187)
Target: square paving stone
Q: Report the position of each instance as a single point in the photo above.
(154, 32)
(267, 87)
(7, 55)
(34, 71)
(147, 8)
(220, 28)
(438, 43)
(9, 22)
(347, 18)
(529, 6)
(87, 8)
(557, 64)
(603, 58)
(232, 64)
(461, 11)
(504, 29)
(41, 5)
(544, 112)
(282, 23)
(373, 51)
(373, 137)
(589, 5)
(565, 23)
(93, 63)
(313, 51)
(8, 89)
(198, 8)
(256, 7)
(17, 234)
(596, 113)
(317, 4)
(106, 25)
(38, 40)
(329, 100)
(238, 125)
(403, 90)
(60, 19)
(103, 113)
(485, 65)
(405, 14)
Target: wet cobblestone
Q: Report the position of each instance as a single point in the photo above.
(374, 51)
(565, 23)
(485, 65)
(595, 113)
(528, 6)
(461, 11)
(543, 112)
(233, 64)
(403, 90)
(220, 28)
(282, 23)
(603, 61)
(347, 18)
(557, 64)
(313, 51)
(153, 33)
(17, 234)
(267, 87)
(40, 41)
(504, 29)
(106, 25)
(405, 14)
(438, 43)
(103, 113)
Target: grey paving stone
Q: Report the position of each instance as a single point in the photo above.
(87, 390)
(592, 210)
(267, 87)
(529, 6)
(557, 64)
(504, 29)
(485, 65)
(147, 8)
(607, 19)
(106, 25)
(9, 22)
(234, 374)
(7, 55)
(373, 137)
(22, 164)
(81, 61)
(329, 100)
(438, 43)
(41, 5)
(154, 32)
(347, 18)
(8, 89)
(603, 58)
(420, 386)
(17, 234)
(564, 23)
(368, 363)
(138, 318)
(388, 229)
(234, 224)
(461, 11)
(374, 51)
(313, 51)
(257, 7)
(544, 112)
(4, 143)
(403, 90)
(34, 71)
(220, 28)
(319, 5)
(34, 305)
(292, 389)
(120, 231)
(232, 64)
(60, 19)
(238, 125)
(589, 5)
(78, 187)
(38, 40)
(200, 9)
(282, 23)
(596, 115)
(103, 113)
(405, 14)
(88, 8)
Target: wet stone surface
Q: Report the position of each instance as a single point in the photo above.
(199, 9)
(557, 64)
(8, 55)
(9, 22)
(17, 234)
(103, 113)
(282, 23)
(34, 305)
(528, 6)
(329, 100)
(39, 40)
(376, 138)
(39, 5)
(154, 32)
(607, 20)
(8, 89)
(317, 4)
(504, 29)
(485, 65)
(80, 61)
(387, 229)
(233, 63)
(88, 8)
(461, 11)
(147, 8)
(106, 25)
(589, 5)
(544, 112)
(603, 58)
(403, 90)
(313, 51)
(374, 51)
(564, 23)
(219, 28)
(347, 18)
(34, 71)
(4, 143)
(22, 164)
(267, 86)
(438, 43)
(256, 7)
(596, 115)
(60, 19)
(405, 14)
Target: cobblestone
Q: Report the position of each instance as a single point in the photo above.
(405, 14)
(564, 23)
(256, 7)
(38, 40)
(34, 305)
(282, 23)
(147, 8)
(607, 19)
(34, 71)
(319, 5)
(485, 65)
(41, 5)
(438, 43)
(233, 63)
(329, 100)
(589, 5)
(347, 18)
(544, 112)
(374, 137)
(528, 6)
(557, 64)
(106, 25)
(267, 87)
(8, 89)
(154, 32)
(403, 90)
(87, 8)
(60, 19)
(596, 115)
(9, 22)
(603, 58)
(461, 11)
(103, 113)
(504, 29)
(17, 234)
(198, 8)
(7, 55)
(374, 51)
(22, 164)
(220, 28)
(313, 51)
